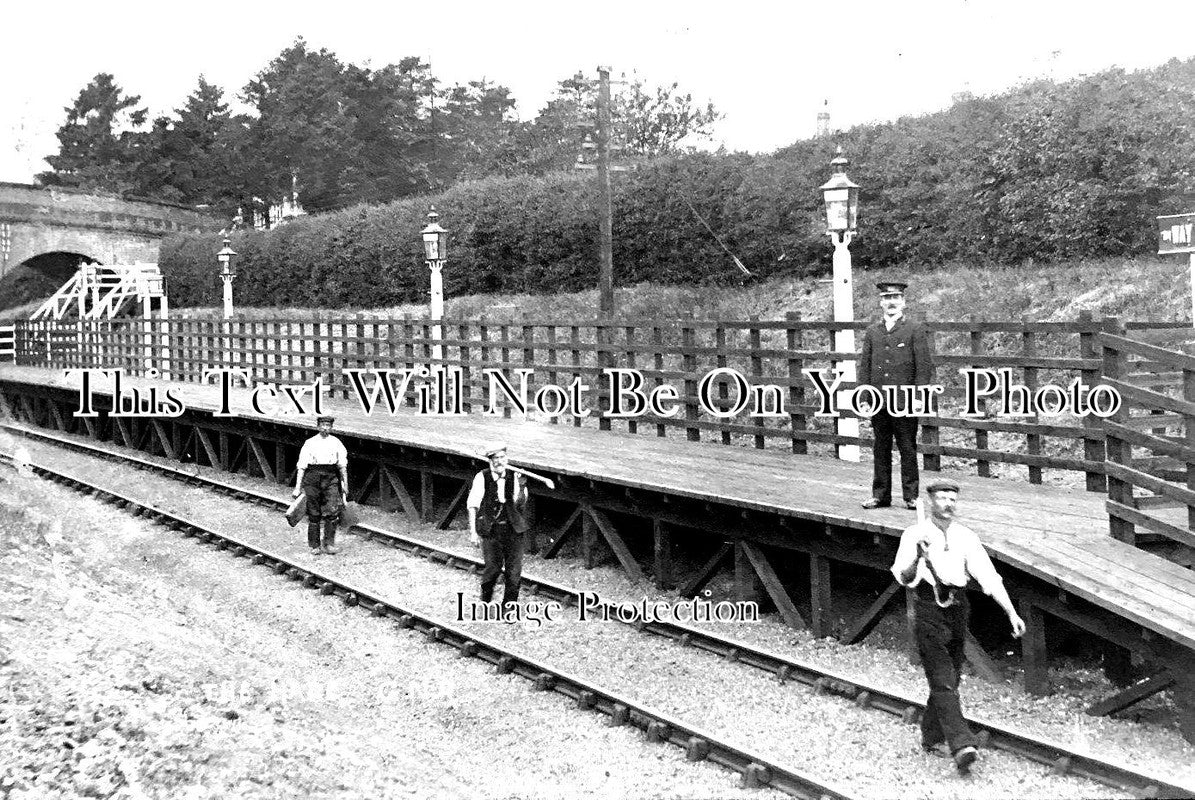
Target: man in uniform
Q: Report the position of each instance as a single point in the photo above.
(323, 475)
(895, 352)
(937, 557)
(497, 506)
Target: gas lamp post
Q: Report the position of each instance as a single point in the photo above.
(435, 250)
(841, 197)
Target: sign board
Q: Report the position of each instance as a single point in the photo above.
(1176, 234)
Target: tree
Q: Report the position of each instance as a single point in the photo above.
(99, 146)
(197, 157)
(647, 122)
(476, 133)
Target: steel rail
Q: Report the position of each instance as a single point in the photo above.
(1060, 758)
(756, 771)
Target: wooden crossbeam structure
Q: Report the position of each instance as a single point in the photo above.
(782, 529)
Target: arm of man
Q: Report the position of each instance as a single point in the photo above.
(342, 461)
(980, 567)
(473, 503)
(304, 460)
(908, 556)
(520, 493)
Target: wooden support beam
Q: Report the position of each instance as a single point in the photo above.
(122, 427)
(141, 435)
(1134, 694)
(427, 498)
(400, 490)
(241, 452)
(280, 467)
(616, 542)
(910, 622)
(56, 416)
(89, 424)
(747, 586)
(213, 457)
(454, 508)
(708, 570)
(662, 555)
(588, 542)
(362, 488)
(224, 462)
(562, 534)
(821, 594)
(1034, 653)
(27, 406)
(981, 662)
(1118, 664)
(772, 585)
(267, 469)
(867, 621)
(164, 438)
(187, 443)
(6, 408)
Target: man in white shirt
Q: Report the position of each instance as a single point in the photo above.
(938, 556)
(323, 475)
(497, 506)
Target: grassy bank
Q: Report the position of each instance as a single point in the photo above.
(1140, 289)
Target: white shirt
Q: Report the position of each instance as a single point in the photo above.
(321, 451)
(956, 554)
(890, 322)
(477, 490)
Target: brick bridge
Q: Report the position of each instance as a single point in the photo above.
(50, 228)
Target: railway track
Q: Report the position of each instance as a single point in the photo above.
(755, 770)
(785, 669)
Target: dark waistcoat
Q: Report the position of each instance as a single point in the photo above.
(492, 510)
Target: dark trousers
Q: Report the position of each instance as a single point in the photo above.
(904, 429)
(322, 487)
(503, 552)
(940, 634)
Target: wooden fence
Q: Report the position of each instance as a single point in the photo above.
(1151, 446)
(673, 354)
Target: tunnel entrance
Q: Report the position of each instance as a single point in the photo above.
(35, 279)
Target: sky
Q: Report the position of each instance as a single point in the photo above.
(767, 66)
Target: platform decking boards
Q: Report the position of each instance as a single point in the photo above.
(1055, 533)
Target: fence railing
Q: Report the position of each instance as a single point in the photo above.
(672, 356)
(8, 350)
(1150, 444)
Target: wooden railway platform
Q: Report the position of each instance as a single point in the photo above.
(789, 525)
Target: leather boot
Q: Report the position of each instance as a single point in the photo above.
(330, 537)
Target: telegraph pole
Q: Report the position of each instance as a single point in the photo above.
(605, 202)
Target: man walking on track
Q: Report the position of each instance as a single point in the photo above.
(895, 352)
(937, 557)
(323, 475)
(497, 506)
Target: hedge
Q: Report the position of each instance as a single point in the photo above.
(1045, 172)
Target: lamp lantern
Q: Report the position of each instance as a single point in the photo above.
(435, 238)
(841, 196)
(225, 257)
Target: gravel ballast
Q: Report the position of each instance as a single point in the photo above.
(136, 664)
(866, 752)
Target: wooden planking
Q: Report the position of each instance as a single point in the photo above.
(1090, 587)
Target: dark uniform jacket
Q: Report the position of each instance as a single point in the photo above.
(491, 510)
(900, 357)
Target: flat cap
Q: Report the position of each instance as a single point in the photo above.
(325, 418)
(941, 485)
(493, 448)
(892, 287)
